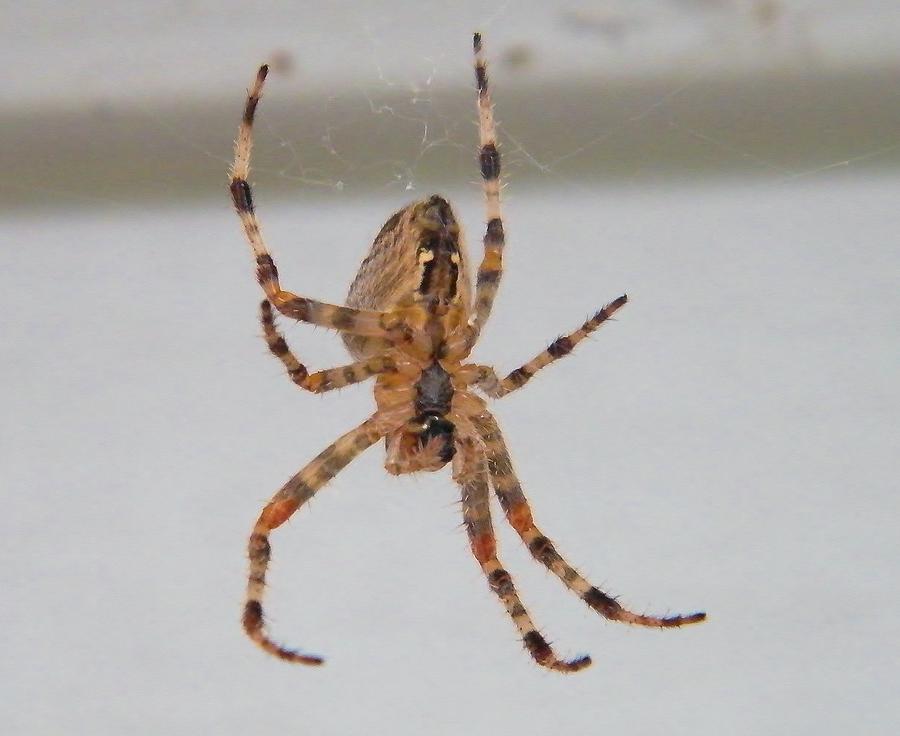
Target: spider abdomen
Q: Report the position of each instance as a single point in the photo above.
(419, 252)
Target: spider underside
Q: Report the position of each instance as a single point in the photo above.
(410, 322)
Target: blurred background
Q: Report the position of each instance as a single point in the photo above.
(729, 443)
(113, 104)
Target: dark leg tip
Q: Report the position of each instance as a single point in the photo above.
(313, 660)
(578, 664)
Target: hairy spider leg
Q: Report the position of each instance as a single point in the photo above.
(485, 378)
(356, 321)
(292, 495)
(518, 513)
(477, 518)
(322, 381)
(491, 268)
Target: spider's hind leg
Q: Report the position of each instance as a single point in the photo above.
(321, 381)
(355, 321)
(518, 513)
(491, 268)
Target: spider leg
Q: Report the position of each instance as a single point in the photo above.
(491, 268)
(355, 321)
(486, 379)
(321, 381)
(293, 494)
(477, 515)
(518, 513)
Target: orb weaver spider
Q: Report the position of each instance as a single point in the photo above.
(410, 322)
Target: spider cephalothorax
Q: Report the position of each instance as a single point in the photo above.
(411, 321)
(428, 440)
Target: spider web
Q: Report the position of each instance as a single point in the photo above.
(414, 129)
(630, 92)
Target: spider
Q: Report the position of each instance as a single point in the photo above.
(410, 321)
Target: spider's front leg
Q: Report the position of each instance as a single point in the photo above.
(485, 378)
(356, 321)
(296, 492)
(518, 513)
(471, 475)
